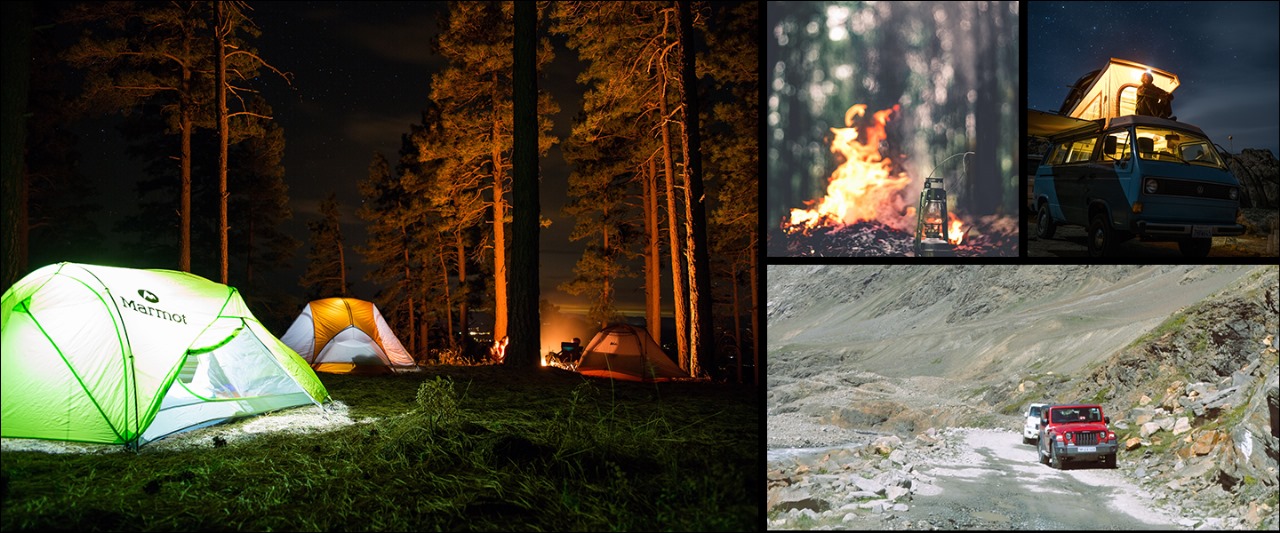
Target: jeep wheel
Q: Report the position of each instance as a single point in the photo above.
(1044, 457)
(1109, 461)
(1102, 241)
(1195, 248)
(1054, 460)
(1045, 226)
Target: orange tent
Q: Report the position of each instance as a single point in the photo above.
(627, 352)
(343, 335)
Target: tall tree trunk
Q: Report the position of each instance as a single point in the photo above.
(408, 291)
(701, 339)
(342, 260)
(524, 346)
(462, 289)
(187, 125)
(223, 134)
(737, 326)
(184, 251)
(652, 271)
(13, 134)
(673, 236)
(448, 299)
(755, 318)
(606, 290)
(499, 236)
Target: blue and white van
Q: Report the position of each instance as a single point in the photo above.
(1133, 176)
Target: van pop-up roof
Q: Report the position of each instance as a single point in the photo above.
(1112, 91)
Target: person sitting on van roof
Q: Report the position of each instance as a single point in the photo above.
(1153, 100)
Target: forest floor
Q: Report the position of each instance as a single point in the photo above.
(449, 448)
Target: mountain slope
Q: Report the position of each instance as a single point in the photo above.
(971, 321)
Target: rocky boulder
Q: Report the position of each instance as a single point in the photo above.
(1259, 176)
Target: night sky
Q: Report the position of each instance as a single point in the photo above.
(361, 74)
(1224, 54)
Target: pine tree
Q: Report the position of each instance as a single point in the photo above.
(150, 52)
(63, 206)
(628, 48)
(701, 330)
(733, 156)
(390, 246)
(326, 274)
(474, 93)
(235, 57)
(599, 201)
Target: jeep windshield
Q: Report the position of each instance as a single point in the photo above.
(1162, 144)
(1076, 415)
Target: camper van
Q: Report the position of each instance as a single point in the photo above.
(1123, 175)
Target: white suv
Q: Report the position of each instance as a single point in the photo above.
(1031, 428)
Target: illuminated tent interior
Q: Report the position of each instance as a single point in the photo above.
(126, 356)
(346, 335)
(626, 352)
(1112, 91)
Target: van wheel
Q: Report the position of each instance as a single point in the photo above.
(1102, 241)
(1044, 223)
(1195, 248)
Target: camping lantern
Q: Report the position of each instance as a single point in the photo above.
(931, 221)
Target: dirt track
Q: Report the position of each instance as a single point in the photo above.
(988, 479)
(997, 482)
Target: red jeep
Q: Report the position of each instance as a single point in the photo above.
(1076, 433)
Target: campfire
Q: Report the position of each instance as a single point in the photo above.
(868, 209)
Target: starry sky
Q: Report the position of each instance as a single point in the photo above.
(361, 75)
(1224, 53)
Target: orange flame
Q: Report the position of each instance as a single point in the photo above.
(864, 187)
(954, 233)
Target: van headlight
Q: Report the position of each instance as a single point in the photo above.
(1151, 187)
(1234, 193)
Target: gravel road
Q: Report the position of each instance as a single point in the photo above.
(995, 481)
(988, 479)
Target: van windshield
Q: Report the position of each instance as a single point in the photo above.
(1162, 144)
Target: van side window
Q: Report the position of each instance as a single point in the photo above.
(1057, 154)
(1081, 150)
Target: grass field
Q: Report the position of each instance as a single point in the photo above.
(450, 448)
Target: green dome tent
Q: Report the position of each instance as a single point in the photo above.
(126, 356)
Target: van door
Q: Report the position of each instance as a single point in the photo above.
(1115, 169)
(1070, 179)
